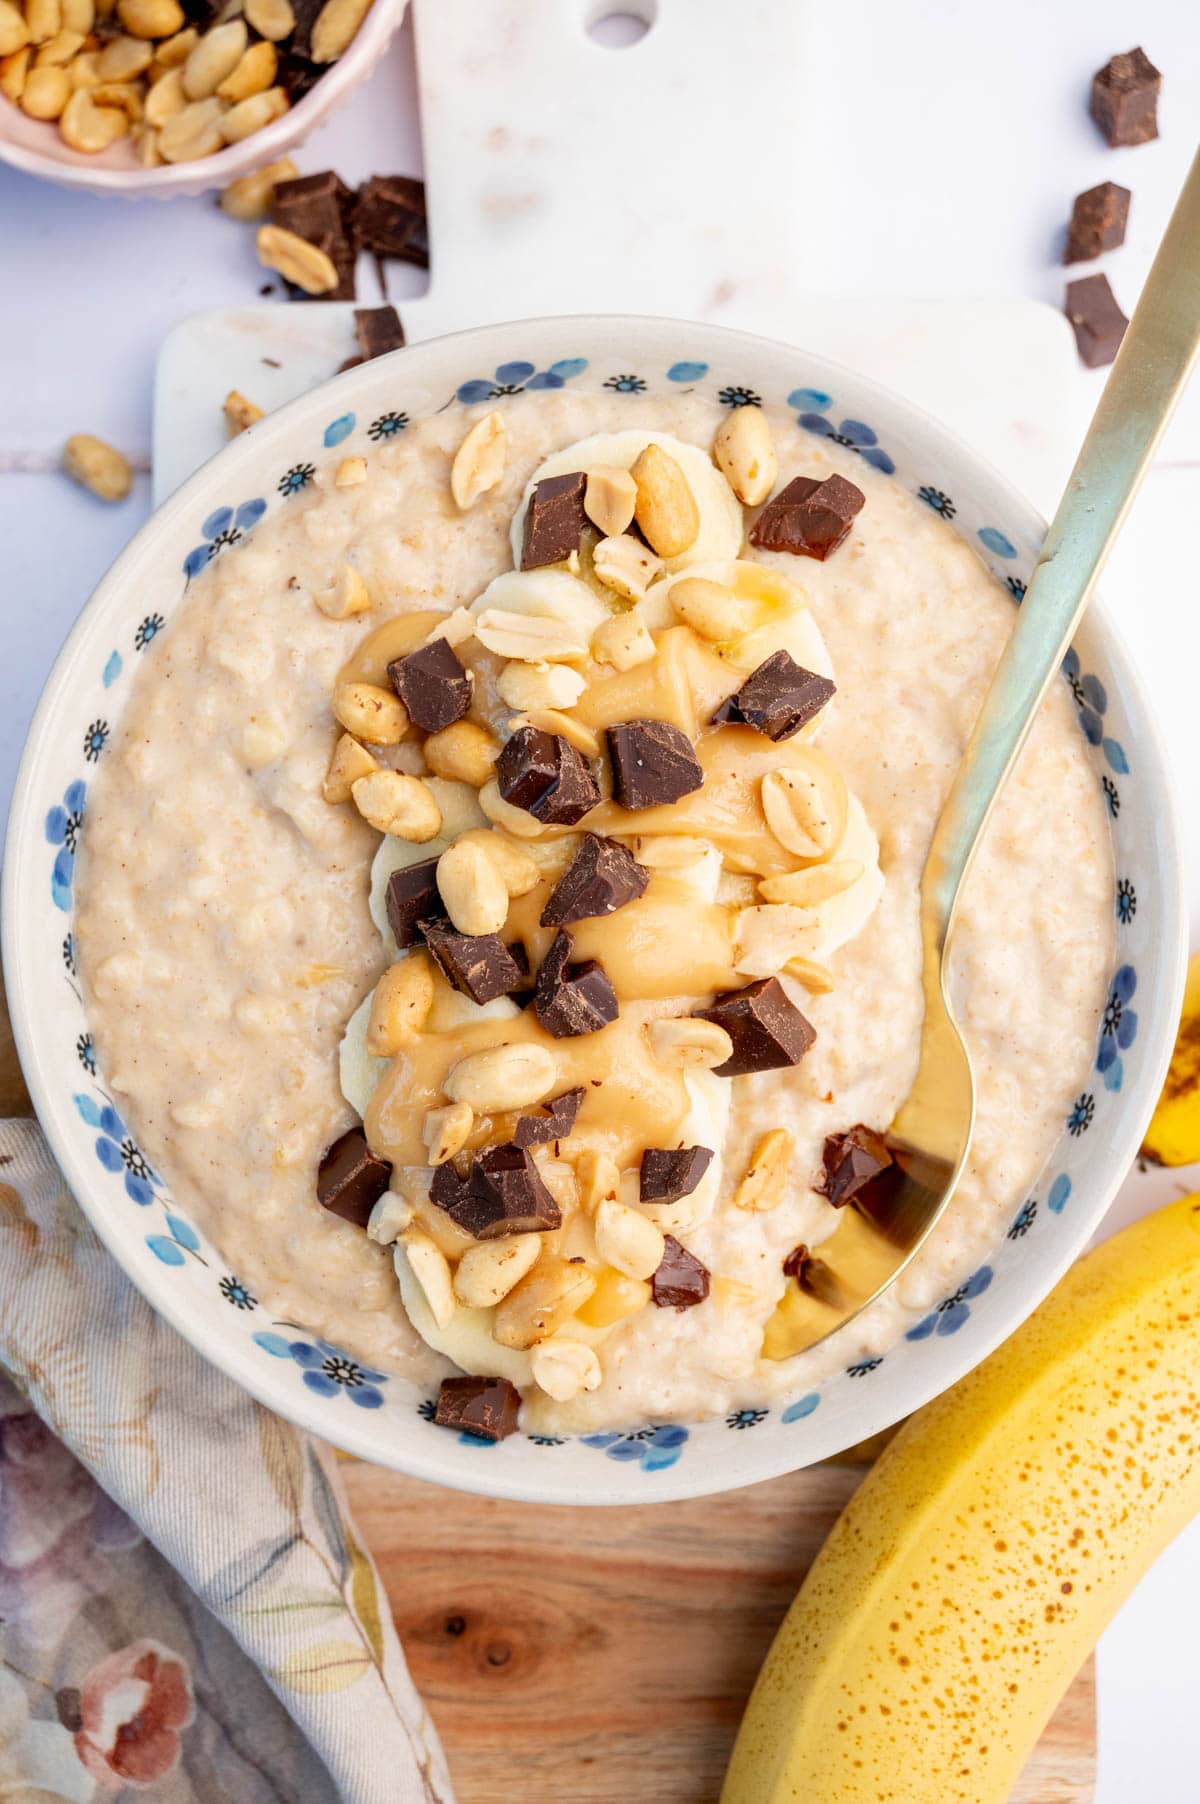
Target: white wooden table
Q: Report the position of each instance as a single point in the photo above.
(957, 136)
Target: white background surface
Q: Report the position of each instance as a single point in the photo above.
(939, 147)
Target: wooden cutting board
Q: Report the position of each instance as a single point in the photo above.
(601, 1655)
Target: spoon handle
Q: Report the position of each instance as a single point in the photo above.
(1149, 375)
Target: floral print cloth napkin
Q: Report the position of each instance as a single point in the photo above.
(186, 1610)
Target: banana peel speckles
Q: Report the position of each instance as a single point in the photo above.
(1173, 1137)
(980, 1559)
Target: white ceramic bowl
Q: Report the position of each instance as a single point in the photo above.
(382, 1417)
(36, 146)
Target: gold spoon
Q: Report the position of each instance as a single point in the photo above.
(931, 1136)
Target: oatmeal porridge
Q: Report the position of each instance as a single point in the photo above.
(498, 906)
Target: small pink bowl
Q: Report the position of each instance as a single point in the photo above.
(37, 148)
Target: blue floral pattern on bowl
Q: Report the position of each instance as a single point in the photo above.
(173, 1253)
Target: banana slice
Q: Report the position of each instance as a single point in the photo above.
(552, 594)
(467, 1338)
(358, 1072)
(459, 804)
(841, 917)
(721, 524)
(783, 620)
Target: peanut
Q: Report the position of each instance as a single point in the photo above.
(195, 131)
(400, 1005)
(124, 58)
(99, 467)
(296, 260)
(44, 19)
(335, 28)
(542, 1302)
(628, 1240)
(351, 472)
(814, 977)
(14, 33)
(250, 116)
(517, 869)
(89, 128)
(625, 641)
(151, 18)
(625, 566)
(472, 888)
(807, 888)
(389, 1218)
(446, 1131)
(375, 715)
(213, 57)
(431, 1269)
(346, 596)
(534, 638)
(609, 499)
(487, 1272)
(508, 1076)
(479, 461)
(46, 93)
(615, 1298)
(598, 1178)
(686, 1041)
(249, 198)
(462, 752)
(563, 1368)
(539, 686)
(13, 70)
(174, 52)
(765, 1184)
(710, 609)
(125, 94)
(85, 70)
(350, 761)
(60, 50)
(254, 73)
(79, 15)
(273, 19)
(798, 814)
(397, 804)
(239, 412)
(744, 452)
(666, 509)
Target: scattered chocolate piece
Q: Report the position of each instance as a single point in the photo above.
(545, 775)
(852, 1160)
(680, 1281)
(350, 1179)
(349, 363)
(1098, 220)
(553, 1121)
(488, 1408)
(603, 876)
(412, 897)
(480, 965)
(814, 1276)
(669, 1173)
(389, 219)
(316, 207)
(1096, 320)
(554, 520)
(378, 331)
(433, 686)
(572, 999)
(1124, 100)
(795, 1261)
(296, 74)
(778, 698)
(808, 518)
(653, 762)
(767, 1029)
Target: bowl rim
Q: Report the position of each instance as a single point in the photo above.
(271, 142)
(178, 1308)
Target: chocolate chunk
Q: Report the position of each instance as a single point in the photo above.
(388, 218)
(572, 999)
(795, 1262)
(503, 1193)
(554, 520)
(653, 762)
(488, 1408)
(378, 331)
(603, 876)
(350, 1179)
(480, 965)
(814, 1276)
(305, 13)
(852, 1160)
(448, 1187)
(545, 775)
(1096, 320)
(767, 1029)
(553, 1121)
(1124, 100)
(669, 1173)
(296, 74)
(808, 518)
(413, 897)
(778, 698)
(315, 207)
(433, 686)
(680, 1281)
(1098, 221)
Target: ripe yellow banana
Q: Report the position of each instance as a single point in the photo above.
(970, 1575)
(1173, 1137)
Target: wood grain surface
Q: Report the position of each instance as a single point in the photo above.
(598, 1656)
